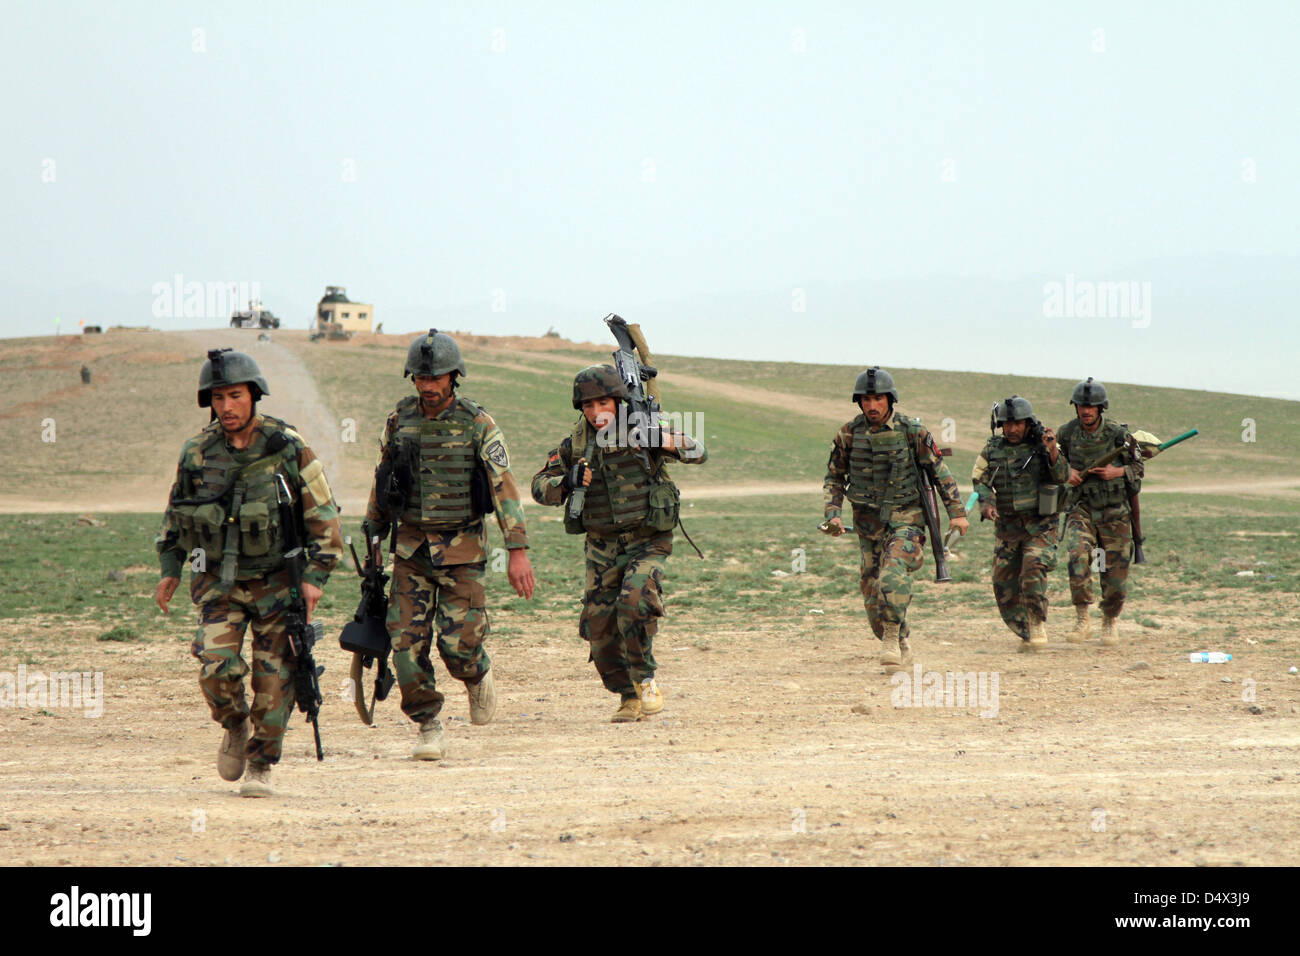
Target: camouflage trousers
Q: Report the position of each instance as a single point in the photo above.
(1022, 558)
(1084, 534)
(890, 554)
(622, 605)
(223, 619)
(453, 598)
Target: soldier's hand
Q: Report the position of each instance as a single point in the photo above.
(166, 588)
(311, 594)
(1049, 442)
(835, 527)
(1107, 472)
(666, 441)
(579, 474)
(988, 511)
(520, 573)
(1076, 479)
(960, 524)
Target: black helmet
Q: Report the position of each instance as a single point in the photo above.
(228, 367)
(1090, 393)
(1013, 409)
(435, 353)
(874, 381)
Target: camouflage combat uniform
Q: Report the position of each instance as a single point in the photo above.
(1098, 513)
(439, 569)
(259, 596)
(1026, 541)
(623, 597)
(873, 467)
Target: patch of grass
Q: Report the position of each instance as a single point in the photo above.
(121, 633)
(1149, 622)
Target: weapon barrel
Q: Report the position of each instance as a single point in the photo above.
(1174, 441)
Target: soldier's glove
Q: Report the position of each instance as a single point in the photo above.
(573, 478)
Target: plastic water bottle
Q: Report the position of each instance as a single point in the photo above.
(1209, 657)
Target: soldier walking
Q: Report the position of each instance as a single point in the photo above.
(223, 511)
(1019, 477)
(1098, 519)
(443, 466)
(628, 514)
(875, 462)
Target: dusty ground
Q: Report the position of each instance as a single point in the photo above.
(779, 745)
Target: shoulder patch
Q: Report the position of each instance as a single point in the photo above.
(497, 452)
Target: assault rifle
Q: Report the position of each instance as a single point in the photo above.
(366, 635)
(303, 635)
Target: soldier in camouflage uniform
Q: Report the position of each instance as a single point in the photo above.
(1098, 515)
(628, 516)
(1009, 475)
(874, 463)
(223, 504)
(438, 446)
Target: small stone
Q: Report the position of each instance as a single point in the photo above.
(1256, 709)
(1200, 861)
(273, 857)
(860, 709)
(1225, 680)
(116, 575)
(566, 837)
(1139, 666)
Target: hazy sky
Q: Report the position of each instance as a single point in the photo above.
(918, 171)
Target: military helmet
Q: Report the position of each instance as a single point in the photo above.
(434, 353)
(1090, 393)
(1013, 409)
(598, 381)
(228, 367)
(874, 381)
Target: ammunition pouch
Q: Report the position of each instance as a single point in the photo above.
(573, 524)
(255, 535)
(1049, 499)
(201, 527)
(664, 507)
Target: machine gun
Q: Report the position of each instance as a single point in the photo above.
(366, 635)
(303, 635)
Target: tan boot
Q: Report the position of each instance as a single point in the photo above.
(904, 650)
(257, 782)
(629, 711)
(1037, 634)
(1082, 626)
(482, 700)
(432, 745)
(231, 753)
(1109, 630)
(652, 699)
(891, 655)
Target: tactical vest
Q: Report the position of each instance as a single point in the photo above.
(1083, 450)
(248, 509)
(618, 498)
(882, 474)
(1016, 490)
(440, 492)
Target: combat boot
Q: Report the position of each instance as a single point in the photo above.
(891, 655)
(652, 700)
(1082, 626)
(1110, 630)
(231, 753)
(1037, 634)
(482, 700)
(257, 782)
(628, 711)
(432, 746)
(904, 650)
